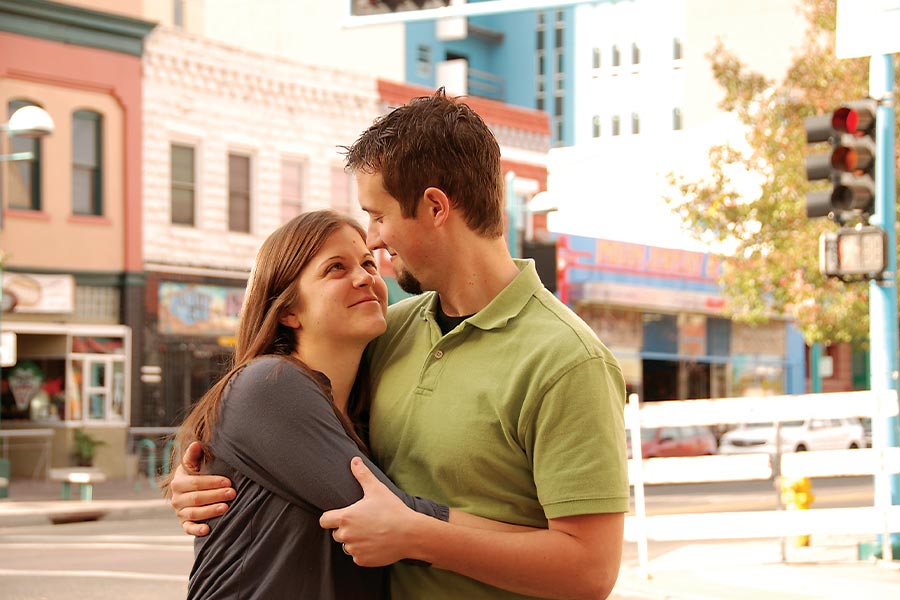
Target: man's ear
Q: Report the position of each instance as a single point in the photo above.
(289, 318)
(437, 205)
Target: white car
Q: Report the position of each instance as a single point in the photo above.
(796, 436)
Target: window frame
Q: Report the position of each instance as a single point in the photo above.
(183, 185)
(244, 194)
(94, 171)
(31, 165)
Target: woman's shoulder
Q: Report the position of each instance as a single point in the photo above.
(271, 370)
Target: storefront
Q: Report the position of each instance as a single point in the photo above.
(660, 311)
(191, 322)
(66, 377)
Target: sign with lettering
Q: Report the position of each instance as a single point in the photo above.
(204, 310)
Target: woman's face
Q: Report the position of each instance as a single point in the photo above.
(342, 296)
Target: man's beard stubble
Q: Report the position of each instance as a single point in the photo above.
(408, 283)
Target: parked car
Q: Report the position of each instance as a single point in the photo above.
(796, 436)
(675, 441)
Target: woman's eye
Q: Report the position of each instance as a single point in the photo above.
(334, 267)
(371, 266)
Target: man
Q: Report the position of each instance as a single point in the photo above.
(488, 394)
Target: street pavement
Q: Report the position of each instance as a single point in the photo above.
(700, 570)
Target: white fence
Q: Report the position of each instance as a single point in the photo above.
(880, 461)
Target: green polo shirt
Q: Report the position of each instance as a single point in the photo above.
(515, 415)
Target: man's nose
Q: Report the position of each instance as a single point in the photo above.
(373, 240)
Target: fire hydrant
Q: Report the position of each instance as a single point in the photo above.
(796, 494)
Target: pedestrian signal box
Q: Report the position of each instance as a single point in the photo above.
(853, 253)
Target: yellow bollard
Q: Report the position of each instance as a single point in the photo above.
(796, 494)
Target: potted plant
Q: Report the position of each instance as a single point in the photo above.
(85, 447)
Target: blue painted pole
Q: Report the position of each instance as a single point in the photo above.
(883, 294)
(815, 364)
(513, 216)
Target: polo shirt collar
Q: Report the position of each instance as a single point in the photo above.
(510, 302)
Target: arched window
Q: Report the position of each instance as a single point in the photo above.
(24, 186)
(87, 163)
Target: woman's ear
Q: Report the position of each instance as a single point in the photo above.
(290, 318)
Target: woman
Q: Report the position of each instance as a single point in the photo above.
(278, 423)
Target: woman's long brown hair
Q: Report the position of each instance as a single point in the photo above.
(271, 290)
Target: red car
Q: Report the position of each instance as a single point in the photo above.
(689, 440)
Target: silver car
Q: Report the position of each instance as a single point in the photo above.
(796, 436)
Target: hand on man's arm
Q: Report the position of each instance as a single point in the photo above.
(195, 497)
(577, 557)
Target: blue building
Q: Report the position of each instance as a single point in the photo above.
(523, 58)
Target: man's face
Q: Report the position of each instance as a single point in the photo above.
(401, 237)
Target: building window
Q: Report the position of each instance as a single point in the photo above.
(635, 54)
(178, 14)
(24, 188)
(616, 56)
(182, 184)
(560, 18)
(560, 62)
(343, 191)
(541, 66)
(560, 84)
(635, 123)
(676, 119)
(596, 58)
(615, 125)
(238, 193)
(596, 124)
(292, 189)
(558, 38)
(539, 102)
(87, 153)
(540, 40)
(558, 130)
(423, 60)
(677, 49)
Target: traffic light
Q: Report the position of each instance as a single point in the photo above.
(849, 165)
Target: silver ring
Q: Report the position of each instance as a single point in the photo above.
(344, 548)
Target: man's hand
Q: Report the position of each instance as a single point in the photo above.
(371, 530)
(198, 497)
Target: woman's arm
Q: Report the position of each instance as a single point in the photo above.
(576, 557)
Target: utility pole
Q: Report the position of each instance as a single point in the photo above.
(883, 294)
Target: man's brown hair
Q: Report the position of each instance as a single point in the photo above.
(436, 141)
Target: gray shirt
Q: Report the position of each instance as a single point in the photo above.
(288, 457)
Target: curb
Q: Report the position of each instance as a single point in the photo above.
(40, 513)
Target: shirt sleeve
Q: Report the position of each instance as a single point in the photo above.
(278, 428)
(575, 435)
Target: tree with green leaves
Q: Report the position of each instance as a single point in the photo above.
(772, 265)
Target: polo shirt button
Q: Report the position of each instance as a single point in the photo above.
(439, 354)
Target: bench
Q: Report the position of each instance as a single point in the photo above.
(85, 477)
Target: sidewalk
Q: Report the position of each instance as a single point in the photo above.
(38, 502)
(712, 570)
(752, 570)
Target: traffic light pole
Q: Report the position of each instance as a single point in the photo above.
(883, 371)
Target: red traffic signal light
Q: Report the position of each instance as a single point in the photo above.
(849, 165)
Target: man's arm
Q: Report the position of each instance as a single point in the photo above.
(576, 557)
(195, 497)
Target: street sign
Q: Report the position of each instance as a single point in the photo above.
(7, 349)
(867, 28)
